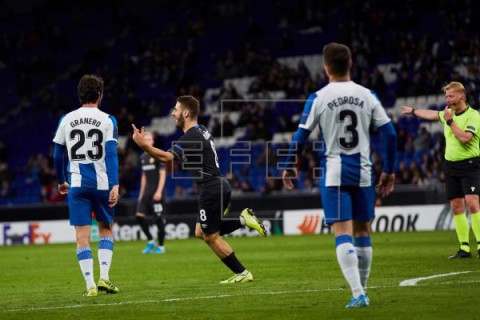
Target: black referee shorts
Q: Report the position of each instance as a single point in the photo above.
(462, 178)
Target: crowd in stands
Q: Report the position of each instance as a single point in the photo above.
(6, 189)
(149, 54)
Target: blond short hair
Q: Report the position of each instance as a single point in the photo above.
(455, 86)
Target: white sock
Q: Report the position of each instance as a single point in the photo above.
(364, 255)
(85, 259)
(105, 253)
(348, 261)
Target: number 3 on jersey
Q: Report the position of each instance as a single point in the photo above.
(94, 152)
(350, 140)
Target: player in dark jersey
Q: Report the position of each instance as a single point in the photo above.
(196, 151)
(151, 199)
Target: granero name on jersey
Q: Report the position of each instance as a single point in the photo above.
(340, 101)
(93, 122)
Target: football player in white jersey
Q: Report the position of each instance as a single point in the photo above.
(90, 138)
(345, 112)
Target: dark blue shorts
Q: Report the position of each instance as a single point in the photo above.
(81, 203)
(348, 203)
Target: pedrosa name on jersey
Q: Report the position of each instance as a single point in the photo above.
(93, 122)
(340, 101)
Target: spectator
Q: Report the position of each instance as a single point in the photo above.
(246, 186)
(54, 195)
(423, 140)
(228, 126)
(310, 186)
(4, 152)
(267, 157)
(6, 190)
(216, 128)
(426, 164)
(131, 157)
(271, 185)
(403, 174)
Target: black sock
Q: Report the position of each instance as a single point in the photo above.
(233, 264)
(161, 231)
(228, 226)
(144, 225)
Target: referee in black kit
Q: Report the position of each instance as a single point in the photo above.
(151, 200)
(196, 150)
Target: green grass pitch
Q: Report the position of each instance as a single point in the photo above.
(296, 277)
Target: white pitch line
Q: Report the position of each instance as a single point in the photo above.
(198, 298)
(181, 299)
(414, 281)
(457, 282)
(75, 306)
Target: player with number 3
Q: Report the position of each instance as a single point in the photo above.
(345, 112)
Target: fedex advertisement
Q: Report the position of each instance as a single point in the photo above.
(41, 232)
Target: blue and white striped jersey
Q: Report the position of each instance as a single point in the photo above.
(345, 112)
(85, 133)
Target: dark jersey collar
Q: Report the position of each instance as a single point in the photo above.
(459, 114)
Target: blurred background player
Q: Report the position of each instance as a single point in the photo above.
(90, 138)
(461, 125)
(345, 112)
(151, 198)
(196, 150)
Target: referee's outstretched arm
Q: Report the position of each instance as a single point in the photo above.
(421, 113)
